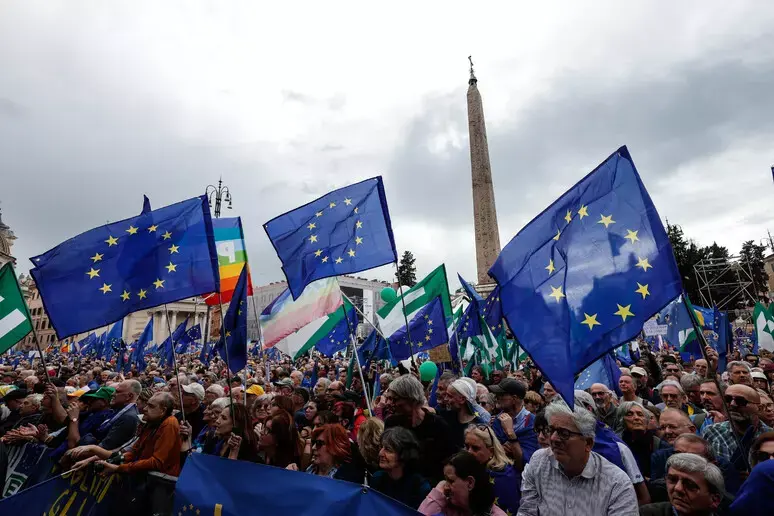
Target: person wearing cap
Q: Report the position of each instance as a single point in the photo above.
(253, 392)
(513, 425)
(81, 424)
(13, 401)
(285, 386)
(760, 381)
(193, 410)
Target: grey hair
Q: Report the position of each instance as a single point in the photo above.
(695, 439)
(385, 378)
(690, 380)
(672, 383)
(35, 399)
(623, 409)
(402, 442)
(135, 387)
(407, 386)
(325, 382)
(738, 363)
(218, 390)
(583, 419)
(221, 403)
(692, 463)
(448, 377)
(166, 400)
(584, 398)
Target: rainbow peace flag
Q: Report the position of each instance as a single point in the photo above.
(230, 245)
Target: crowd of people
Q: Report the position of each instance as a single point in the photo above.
(673, 437)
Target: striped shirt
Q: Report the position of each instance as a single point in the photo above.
(602, 488)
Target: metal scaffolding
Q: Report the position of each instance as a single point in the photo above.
(724, 280)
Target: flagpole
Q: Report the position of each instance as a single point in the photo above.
(405, 318)
(378, 331)
(352, 339)
(34, 331)
(174, 361)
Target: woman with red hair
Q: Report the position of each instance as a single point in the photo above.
(334, 456)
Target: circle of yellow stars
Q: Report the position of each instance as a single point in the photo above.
(313, 237)
(623, 311)
(111, 241)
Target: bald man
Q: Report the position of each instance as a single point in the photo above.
(744, 425)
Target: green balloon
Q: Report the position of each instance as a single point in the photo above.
(389, 295)
(427, 371)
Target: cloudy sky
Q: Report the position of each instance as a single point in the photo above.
(102, 102)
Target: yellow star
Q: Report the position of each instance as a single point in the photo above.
(324, 259)
(624, 311)
(167, 235)
(153, 228)
(558, 233)
(190, 506)
(332, 205)
(311, 226)
(313, 238)
(358, 240)
(318, 214)
(318, 253)
(159, 283)
(643, 262)
(132, 230)
(93, 272)
(174, 249)
(556, 293)
(228, 334)
(358, 224)
(643, 290)
(430, 330)
(97, 257)
(142, 294)
(631, 235)
(582, 212)
(591, 320)
(550, 267)
(351, 253)
(125, 296)
(429, 322)
(427, 337)
(171, 267)
(347, 201)
(357, 209)
(339, 260)
(105, 288)
(491, 480)
(606, 220)
(111, 241)
(568, 216)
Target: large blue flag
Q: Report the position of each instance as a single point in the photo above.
(113, 339)
(725, 336)
(138, 355)
(87, 344)
(426, 330)
(345, 231)
(108, 272)
(340, 335)
(604, 371)
(492, 312)
(215, 485)
(585, 274)
(204, 356)
(192, 336)
(235, 325)
(167, 348)
(373, 348)
(680, 331)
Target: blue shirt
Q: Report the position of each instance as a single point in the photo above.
(523, 427)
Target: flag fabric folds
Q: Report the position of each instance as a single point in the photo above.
(15, 321)
(327, 334)
(426, 330)
(108, 272)
(235, 325)
(373, 348)
(763, 320)
(214, 485)
(86, 345)
(113, 338)
(138, 355)
(585, 274)
(284, 315)
(190, 337)
(391, 316)
(167, 348)
(340, 336)
(345, 231)
(604, 371)
(232, 255)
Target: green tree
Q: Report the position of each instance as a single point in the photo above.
(752, 256)
(407, 270)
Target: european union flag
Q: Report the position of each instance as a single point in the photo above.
(235, 325)
(340, 335)
(604, 371)
(113, 339)
(345, 231)
(426, 330)
(585, 275)
(86, 345)
(493, 312)
(193, 334)
(167, 348)
(139, 350)
(373, 348)
(108, 272)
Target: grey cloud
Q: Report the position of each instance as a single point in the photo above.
(11, 109)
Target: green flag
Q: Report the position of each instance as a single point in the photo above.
(763, 319)
(14, 319)
(391, 316)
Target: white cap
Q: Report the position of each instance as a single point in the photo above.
(640, 371)
(195, 389)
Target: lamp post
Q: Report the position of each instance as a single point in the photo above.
(220, 193)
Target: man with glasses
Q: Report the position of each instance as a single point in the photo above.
(604, 403)
(570, 479)
(513, 423)
(695, 487)
(743, 426)
(672, 423)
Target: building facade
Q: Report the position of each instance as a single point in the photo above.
(6, 242)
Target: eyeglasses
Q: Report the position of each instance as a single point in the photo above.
(761, 456)
(740, 401)
(598, 394)
(668, 396)
(562, 433)
(540, 430)
(483, 403)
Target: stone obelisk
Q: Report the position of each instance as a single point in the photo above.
(484, 211)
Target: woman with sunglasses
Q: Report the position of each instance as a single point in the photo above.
(480, 442)
(332, 455)
(465, 491)
(260, 412)
(397, 476)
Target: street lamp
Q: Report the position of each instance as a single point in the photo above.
(220, 193)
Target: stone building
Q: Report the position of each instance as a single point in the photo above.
(6, 242)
